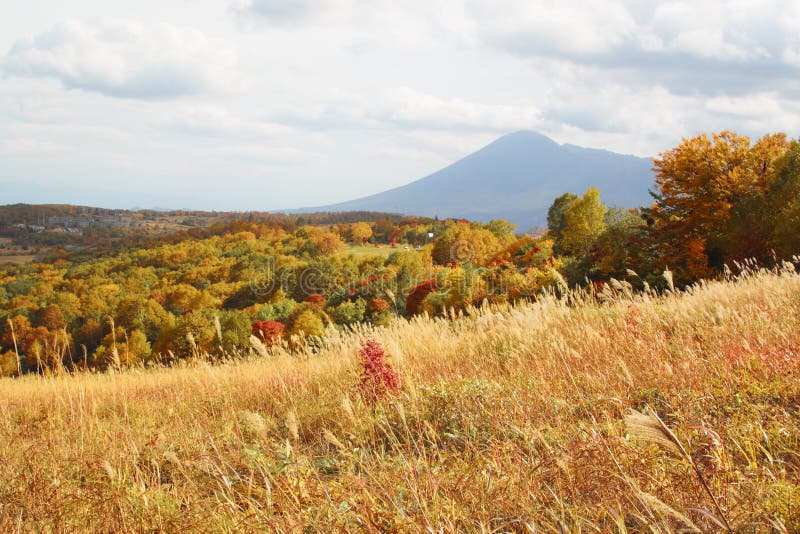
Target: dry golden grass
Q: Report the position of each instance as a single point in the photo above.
(17, 259)
(511, 419)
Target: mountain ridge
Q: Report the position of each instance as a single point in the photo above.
(516, 177)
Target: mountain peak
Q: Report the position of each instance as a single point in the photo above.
(526, 135)
(515, 178)
(525, 138)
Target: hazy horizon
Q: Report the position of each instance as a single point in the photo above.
(267, 105)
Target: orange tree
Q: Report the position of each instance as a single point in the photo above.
(700, 182)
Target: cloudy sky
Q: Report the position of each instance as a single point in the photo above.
(269, 104)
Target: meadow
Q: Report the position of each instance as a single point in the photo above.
(609, 412)
(368, 251)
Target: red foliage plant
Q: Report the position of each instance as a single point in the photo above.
(417, 295)
(270, 331)
(378, 377)
(315, 299)
(367, 281)
(377, 306)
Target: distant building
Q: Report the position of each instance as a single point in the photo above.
(70, 222)
(30, 227)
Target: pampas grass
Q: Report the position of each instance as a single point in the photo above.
(640, 412)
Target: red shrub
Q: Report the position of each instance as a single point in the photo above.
(316, 299)
(377, 306)
(365, 282)
(418, 294)
(378, 377)
(270, 331)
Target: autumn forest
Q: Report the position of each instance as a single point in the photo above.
(242, 284)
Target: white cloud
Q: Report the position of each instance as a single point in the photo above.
(291, 12)
(792, 57)
(542, 27)
(346, 97)
(405, 108)
(760, 104)
(262, 153)
(26, 145)
(688, 46)
(125, 59)
(215, 121)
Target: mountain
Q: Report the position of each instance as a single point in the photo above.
(515, 178)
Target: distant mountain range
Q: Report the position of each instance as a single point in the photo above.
(514, 178)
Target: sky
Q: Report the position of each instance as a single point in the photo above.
(272, 104)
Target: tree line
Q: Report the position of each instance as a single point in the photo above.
(719, 200)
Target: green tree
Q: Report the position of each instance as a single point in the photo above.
(611, 254)
(348, 312)
(235, 327)
(584, 221)
(502, 229)
(556, 221)
(308, 323)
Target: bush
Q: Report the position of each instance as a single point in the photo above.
(349, 312)
(378, 377)
(308, 323)
(271, 332)
(417, 296)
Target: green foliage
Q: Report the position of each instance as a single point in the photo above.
(307, 322)
(348, 312)
(584, 221)
(611, 255)
(502, 229)
(556, 217)
(235, 329)
(276, 311)
(458, 287)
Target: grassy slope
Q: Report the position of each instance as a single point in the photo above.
(370, 250)
(509, 419)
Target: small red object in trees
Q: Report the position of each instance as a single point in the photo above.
(316, 299)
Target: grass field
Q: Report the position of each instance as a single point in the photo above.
(371, 250)
(10, 254)
(18, 259)
(546, 418)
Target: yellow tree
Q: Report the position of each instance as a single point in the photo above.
(360, 232)
(463, 243)
(699, 182)
(584, 221)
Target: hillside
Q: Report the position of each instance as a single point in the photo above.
(516, 178)
(509, 419)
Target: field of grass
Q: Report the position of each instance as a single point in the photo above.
(370, 250)
(10, 254)
(17, 259)
(678, 413)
